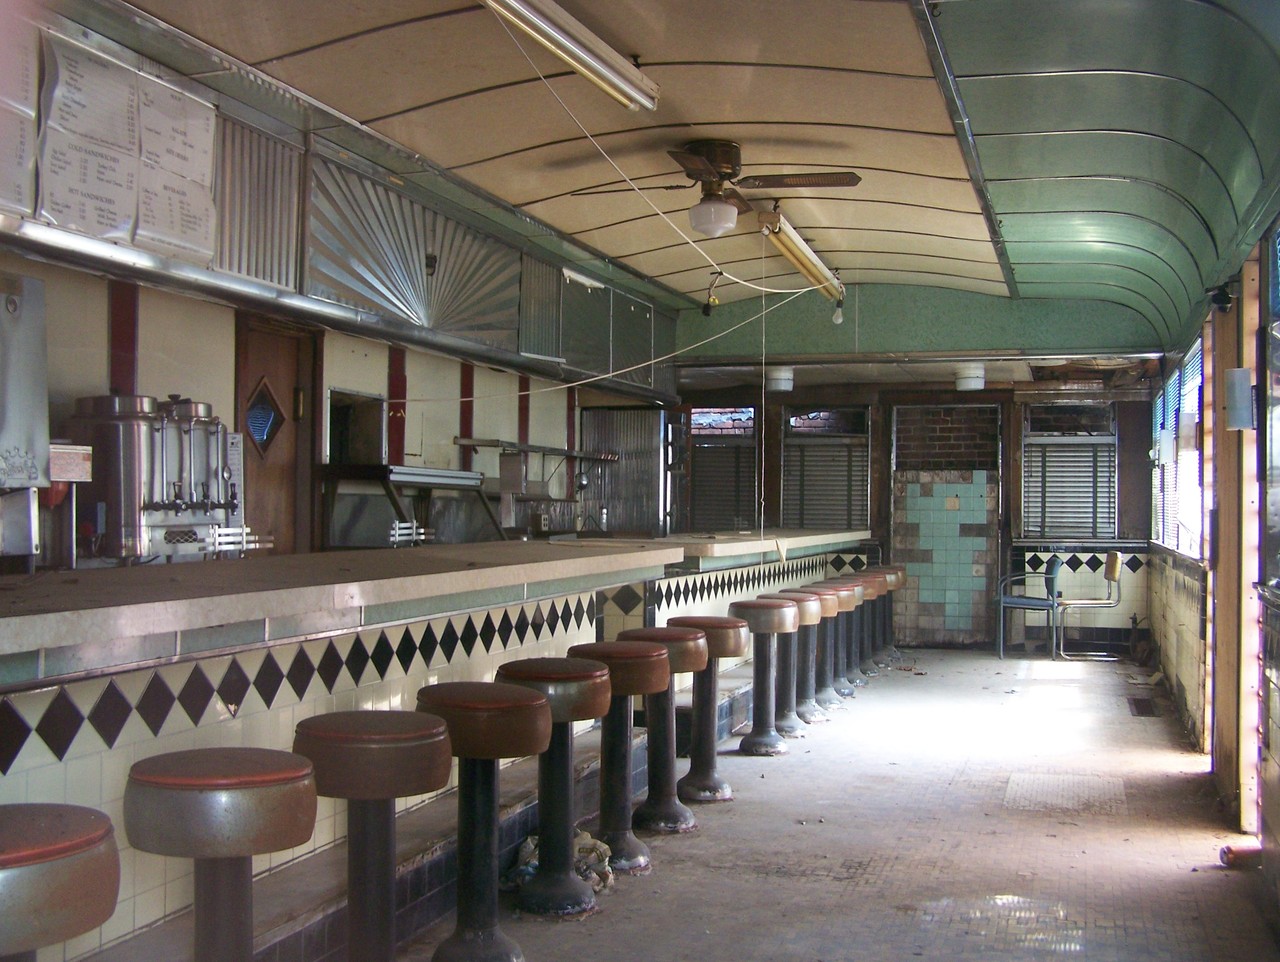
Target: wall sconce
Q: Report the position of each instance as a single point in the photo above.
(1238, 394)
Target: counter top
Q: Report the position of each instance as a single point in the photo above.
(52, 609)
(705, 549)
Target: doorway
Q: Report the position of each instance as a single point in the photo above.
(274, 383)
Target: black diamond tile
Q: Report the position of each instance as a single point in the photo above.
(429, 645)
(109, 714)
(1034, 562)
(330, 666)
(668, 594)
(686, 592)
(382, 654)
(488, 632)
(1074, 562)
(300, 673)
(357, 659)
(268, 680)
(506, 629)
(195, 695)
(627, 599)
(13, 735)
(449, 641)
(468, 636)
(1133, 563)
(592, 608)
(566, 616)
(1094, 563)
(858, 564)
(538, 621)
(579, 612)
(60, 724)
(407, 650)
(553, 616)
(838, 563)
(155, 704)
(522, 627)
(233, 687)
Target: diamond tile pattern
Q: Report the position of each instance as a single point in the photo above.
(61, 721)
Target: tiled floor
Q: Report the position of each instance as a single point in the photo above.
(965, 809)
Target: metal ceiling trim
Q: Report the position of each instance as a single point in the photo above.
(964, 133)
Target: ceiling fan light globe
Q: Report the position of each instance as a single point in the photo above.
(713, 216)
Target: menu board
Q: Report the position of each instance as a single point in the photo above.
(125, 157)
(18, 99)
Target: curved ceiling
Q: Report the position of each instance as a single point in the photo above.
(1123, 151)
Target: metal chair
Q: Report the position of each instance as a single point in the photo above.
(1048, 602)
(1111, 574)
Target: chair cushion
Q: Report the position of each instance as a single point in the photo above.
(686, 647)
(726, 637)
(808, 604)
(828, 597)
(767, 616)
(575, 688)
(488, 719)
(376, 754)
(635, 667)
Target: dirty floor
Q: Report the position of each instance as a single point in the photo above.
(966, 809)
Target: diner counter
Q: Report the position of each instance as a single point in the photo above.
(718, 549)
(299, 594)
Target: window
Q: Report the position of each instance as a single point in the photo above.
(1175, 481)
(825, 471)
(1069, 471)
(723, 491)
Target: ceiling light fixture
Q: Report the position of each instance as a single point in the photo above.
(802, 257)
(713, 216)
(581, 49)
(970, 377)
(779, 378)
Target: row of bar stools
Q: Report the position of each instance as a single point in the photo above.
(767, 618)
(577, 689)
(221, 806)
(635, 668)
(828, 639)
(726, 638)
(371, 758)
(662, 810)
(811, 660)
(844, 671)
(59, 875)
(487, 721)
(786, 722)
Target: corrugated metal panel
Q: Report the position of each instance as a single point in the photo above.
(632, 328)
(366, 244)
(475, 293)
(259, 198)
(723, 487)
(634, 487)
(585, 325)
(539, 308)
(825, 484)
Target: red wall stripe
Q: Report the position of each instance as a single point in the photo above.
(122, 337)
(466, 412)
(522, 410)
(397, 388)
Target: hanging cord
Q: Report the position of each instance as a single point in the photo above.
(760, 417)
(630, 183)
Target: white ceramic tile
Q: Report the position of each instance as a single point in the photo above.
(148, 873)
(47, 783)
(179, 894)
(148, 907)
(121, 922)
(31, 705)
(13, 789)
(84, 694)
(84, 779)
(83, 944)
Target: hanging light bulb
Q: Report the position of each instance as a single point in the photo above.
(837, 316)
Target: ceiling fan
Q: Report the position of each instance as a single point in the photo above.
(715, 165)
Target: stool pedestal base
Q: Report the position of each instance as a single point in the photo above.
(629, 855)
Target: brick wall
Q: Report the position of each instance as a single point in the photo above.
(947, 438)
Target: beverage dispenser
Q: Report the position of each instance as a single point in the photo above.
(168, 479)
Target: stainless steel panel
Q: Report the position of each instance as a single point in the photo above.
(475, 291)
(632, 332)
(539, 308)
(259, 198)
(24, 386)
(631, 491)
(19, 523)
(367, 244)
(585, 326)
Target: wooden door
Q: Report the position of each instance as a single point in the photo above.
(271, 364)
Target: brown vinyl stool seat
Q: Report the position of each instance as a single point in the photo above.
(372, 758)
(767, 618)
(786, 719)
(221, 806)
(635, 668)
(576, 689)
(662, 810)
(487, 721)
(59, 875)
(726, 638)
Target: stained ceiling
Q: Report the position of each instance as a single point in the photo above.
(1117, 151)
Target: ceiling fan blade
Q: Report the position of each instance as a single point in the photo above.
(695, 165)
(627, 190)
(737, 200)
(775, 181)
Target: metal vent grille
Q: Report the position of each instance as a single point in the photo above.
(259, 197)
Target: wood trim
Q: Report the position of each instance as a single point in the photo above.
(122, 337)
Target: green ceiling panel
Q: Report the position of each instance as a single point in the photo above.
(1102, 280)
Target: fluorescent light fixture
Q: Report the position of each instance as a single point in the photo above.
(581, 49)
(793, 247)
